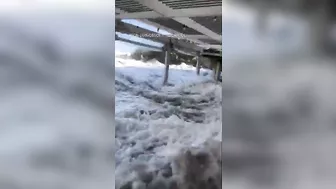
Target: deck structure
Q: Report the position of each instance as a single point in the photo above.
(195, 27)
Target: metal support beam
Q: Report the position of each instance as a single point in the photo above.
(218, 47)
(215, 66)
(218, 65)
(198, 65)
(214, 69)
(189, 12)
(211, 54)
(167, 62)
(164, 10)
(146, 21)
(179, 50)
(183, 46)
(138, 43)
(196, 37)
(132, 29)
(197, 41)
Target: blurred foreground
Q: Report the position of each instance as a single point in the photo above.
(56, 102)
(279, 109)
(279, 125)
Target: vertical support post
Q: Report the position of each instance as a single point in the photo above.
(213, 68)
(167, 62)
(218, 65)
(198, 65)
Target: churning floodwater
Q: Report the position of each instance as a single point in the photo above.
(166, 137)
